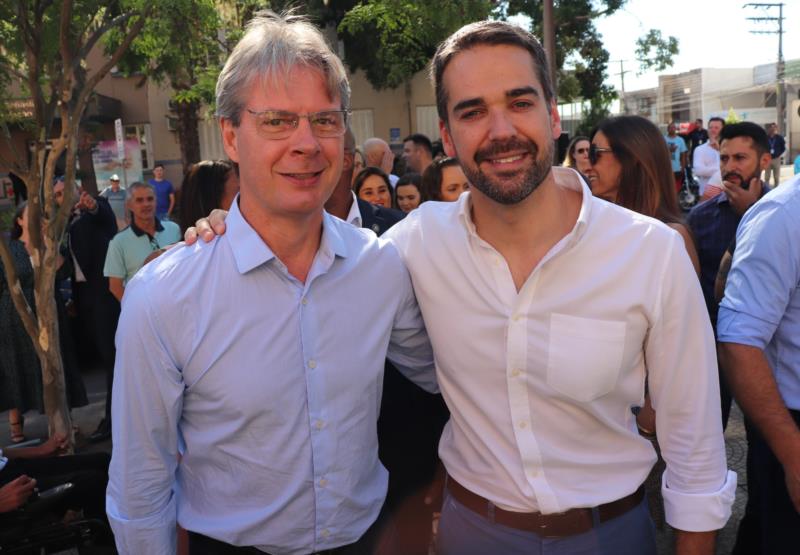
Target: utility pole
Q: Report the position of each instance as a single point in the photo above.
(780, 97)
(622, 72)
(548, 25)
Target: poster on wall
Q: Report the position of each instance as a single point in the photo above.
(107, 163)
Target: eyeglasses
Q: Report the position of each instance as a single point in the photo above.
(582, 150)
(276, 124)
(594, 150)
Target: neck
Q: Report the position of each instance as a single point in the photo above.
(523, 233)
(146, 224)
(293, 238)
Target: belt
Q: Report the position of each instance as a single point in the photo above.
(557, 525)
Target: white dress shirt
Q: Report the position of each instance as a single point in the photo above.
(270, 386)
(704, 164)
(354, 216)
(540, 382)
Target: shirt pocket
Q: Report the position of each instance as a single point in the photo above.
(584, 355)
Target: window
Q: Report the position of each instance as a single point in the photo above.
(362, 124)
(428, 121)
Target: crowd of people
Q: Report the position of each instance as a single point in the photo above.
(530, 351)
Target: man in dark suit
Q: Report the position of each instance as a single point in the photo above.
(91, 226)
(411, 420)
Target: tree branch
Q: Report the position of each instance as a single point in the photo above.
(15, 289)
(91, 83)
(63, 34)
(102, 30)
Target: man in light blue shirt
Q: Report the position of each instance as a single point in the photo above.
(677, 151)
(759, 331)
(146, 235)
(251, 356)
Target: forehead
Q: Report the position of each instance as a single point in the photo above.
(142, 192)
(374, 181)
(486, 70)
(737, 145)
(298, 89)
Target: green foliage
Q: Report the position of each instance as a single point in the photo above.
(391, 40)
(732, 117)
(653, 52)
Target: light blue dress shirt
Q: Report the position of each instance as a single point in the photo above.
(761, 307)
(271, 387)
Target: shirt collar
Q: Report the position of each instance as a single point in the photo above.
(139, 231)
(250, 251)
(354, 216)
(571, 180)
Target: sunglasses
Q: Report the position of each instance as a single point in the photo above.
(582, 150)
(594, 152)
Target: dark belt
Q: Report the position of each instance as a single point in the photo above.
(557, 525)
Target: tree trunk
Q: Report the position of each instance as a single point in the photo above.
(87, 175)
(188, 133)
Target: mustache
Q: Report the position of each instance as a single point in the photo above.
(728, 175)
(500, 147)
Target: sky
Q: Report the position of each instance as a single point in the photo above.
(710, 33)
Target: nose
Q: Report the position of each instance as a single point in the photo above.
(500, 125)
(303, 139)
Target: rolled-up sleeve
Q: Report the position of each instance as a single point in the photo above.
(147, 403)
(680, 355)
(762, 279)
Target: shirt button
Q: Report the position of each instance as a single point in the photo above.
(516, 317)
(325, 533)
(534, 473)
(516, 372)
(319, 424)
(304, 301)
(523, 425)
(312, 363)
(323, 482)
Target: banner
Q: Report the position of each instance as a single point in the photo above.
(106, 162)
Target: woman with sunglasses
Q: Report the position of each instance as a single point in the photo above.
(578, 155)
(630, 166)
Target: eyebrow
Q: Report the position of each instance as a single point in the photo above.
(513, 93)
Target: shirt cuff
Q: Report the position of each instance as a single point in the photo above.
(699, 512)
(154, 534)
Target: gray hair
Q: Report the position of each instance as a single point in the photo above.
(140, 185)
(272, 46)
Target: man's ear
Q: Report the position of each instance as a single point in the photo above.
(765, 161)
(555, 120)
(229, 143)
(447, 141)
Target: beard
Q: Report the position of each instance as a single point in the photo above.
(744, 182)
(514, 186)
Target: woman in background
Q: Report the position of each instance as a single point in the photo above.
(408, 192)
(443, 180)
(578, 155)
(207, 185)
(372, 185)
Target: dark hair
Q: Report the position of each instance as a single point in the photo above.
(158, 165)
(432, 178)
(569, 159)
(722, 121)
(421, 140)
(747, 129)
(492, 33)
(16, 229)
(369, 171)
(410, 178)
(202, 190)
(646, 181)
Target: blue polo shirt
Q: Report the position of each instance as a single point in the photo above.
(129, 248)
(761, 307)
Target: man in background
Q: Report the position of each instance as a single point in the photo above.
(165, 193)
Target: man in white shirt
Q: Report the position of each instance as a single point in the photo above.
(547, 309)
(556, 308)
(705, 162)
